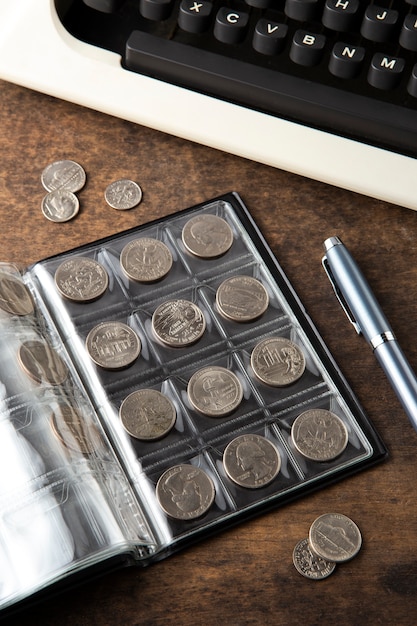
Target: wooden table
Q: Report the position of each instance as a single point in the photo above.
(243, 576)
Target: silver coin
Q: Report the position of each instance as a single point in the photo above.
(60, 205)
(178, 323)
(242, 298)
(81, 279)
(147, 414)
(215, 391)
(71, 430)
(277, 361)
(42, 363)
(123, 194)
(319, 435)
(15, 297)
(335, 537)
(185, 492)
(113, 345)
(311, 565)
(207, 236)
(146, 260)
(251, 461)
(64, 174)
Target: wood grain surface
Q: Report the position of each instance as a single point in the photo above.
(243, 576)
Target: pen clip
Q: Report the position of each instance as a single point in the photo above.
(339, 295)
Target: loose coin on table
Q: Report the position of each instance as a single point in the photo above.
(277, 361)
(123, 194)
(178, 323)
(319, 435)
(242, 298)
(81, 279)
(15, 297)
(147, 414)
(40, 361)
(309, 564)
(71, 430)
(113, 345)
(335, 537)
(215, 391)
(64, 174)
(251, 461)
(185, 492)
(207, 236)
(60, 205)
(146, 260)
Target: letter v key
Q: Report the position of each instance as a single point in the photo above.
(269, 37)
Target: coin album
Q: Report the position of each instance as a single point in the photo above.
(156, 387)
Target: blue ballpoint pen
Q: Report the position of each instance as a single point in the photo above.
(365, 313)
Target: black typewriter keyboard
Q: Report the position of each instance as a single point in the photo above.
(344, 66)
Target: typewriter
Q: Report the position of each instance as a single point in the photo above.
(322, 88)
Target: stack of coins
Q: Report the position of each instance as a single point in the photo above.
(62, 180)
(333, 538)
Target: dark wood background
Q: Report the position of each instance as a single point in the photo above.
(243, 576)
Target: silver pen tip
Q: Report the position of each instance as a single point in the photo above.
(330, 242)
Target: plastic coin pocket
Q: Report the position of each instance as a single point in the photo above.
(155, 386)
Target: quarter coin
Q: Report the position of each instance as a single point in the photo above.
(15, 297)
(207, 236)
(146, 260)
(113, 345)
(335, 537)
(309, 564)
(242, 298)
(319, 435)
(215, 391)
(64, 174)
(251, 461)
(123, 194)
(178, 323)
(71, 430)
(81, 279)
(185, 492)
(60, 205)
(42, 363)
(147, 414)
(277, 361)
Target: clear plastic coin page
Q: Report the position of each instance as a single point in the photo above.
(80, 488)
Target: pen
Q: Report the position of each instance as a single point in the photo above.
(365, 313)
